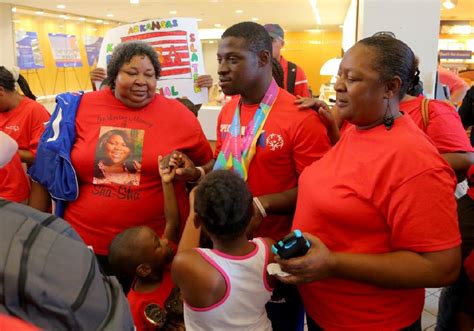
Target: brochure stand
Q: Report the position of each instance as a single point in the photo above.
(34, 72)
(63, 71)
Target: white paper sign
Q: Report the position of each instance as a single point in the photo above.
(179, 50)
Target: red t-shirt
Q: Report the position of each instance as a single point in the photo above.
(105, 209)
(25, 123)
(450, 79)
(291, 140)
(444, 125)
(14, 185)
(8, 322)
(375, 192)
(139, 300)
(301, 82)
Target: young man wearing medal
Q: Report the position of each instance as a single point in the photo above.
(267, 140)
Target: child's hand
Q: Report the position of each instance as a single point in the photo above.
(167, 170)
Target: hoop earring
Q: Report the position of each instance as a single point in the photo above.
(388, 117)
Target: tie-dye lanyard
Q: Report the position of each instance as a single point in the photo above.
(237, 151)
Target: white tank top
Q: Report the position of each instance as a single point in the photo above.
(243, 305)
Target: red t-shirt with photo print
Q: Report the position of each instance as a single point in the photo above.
(291, 140)
(105, 208)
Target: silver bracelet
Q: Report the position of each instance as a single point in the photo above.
(259, 207)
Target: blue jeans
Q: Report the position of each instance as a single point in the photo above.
(286, 311)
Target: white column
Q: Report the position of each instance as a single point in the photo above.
(415, 22)
(7, 54)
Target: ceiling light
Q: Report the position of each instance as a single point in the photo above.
(106, 23)
(134, 2)
(61, 6)
(81, 18)
(99, 21)
(211, 41)
(199, 19)
(449, 4)
(314, 7)
(14, 9)
(173, 12)
(239, 11)
(39, 12)
(64, 17)
(254, 19)
(110, 15)
(218, 25)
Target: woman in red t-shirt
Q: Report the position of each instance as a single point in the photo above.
(378, 208)
(23, 119)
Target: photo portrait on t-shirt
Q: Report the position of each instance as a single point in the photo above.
(118, 156)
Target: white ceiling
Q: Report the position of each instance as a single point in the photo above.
(290, 14)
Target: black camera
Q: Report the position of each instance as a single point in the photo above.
(293, 245)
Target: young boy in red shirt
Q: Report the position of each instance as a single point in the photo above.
(139, 252)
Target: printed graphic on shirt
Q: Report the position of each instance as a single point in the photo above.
(118, 156)
(275, 141)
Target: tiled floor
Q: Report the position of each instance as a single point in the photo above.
(430, 311)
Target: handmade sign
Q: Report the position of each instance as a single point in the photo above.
(179, 51)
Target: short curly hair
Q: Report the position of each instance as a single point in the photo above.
(224, 204)
(124, 52)
(254, 34)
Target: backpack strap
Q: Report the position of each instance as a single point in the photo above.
(425, 112)
(291, 77)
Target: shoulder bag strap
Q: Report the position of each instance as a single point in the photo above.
(291, 77)
(425, 112)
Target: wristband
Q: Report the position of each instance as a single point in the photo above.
(260, 207)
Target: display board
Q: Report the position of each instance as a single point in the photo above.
(27, 51)
(65, 50)
(92, 45)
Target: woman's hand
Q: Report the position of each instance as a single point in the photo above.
(318, 263)
(204, 81)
